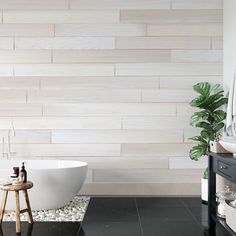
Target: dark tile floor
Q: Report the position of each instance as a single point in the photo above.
(129, 217)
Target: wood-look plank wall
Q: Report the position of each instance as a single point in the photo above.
(108, 82)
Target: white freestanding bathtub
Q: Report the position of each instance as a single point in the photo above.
(56, 182)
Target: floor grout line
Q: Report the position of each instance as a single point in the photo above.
(140, 224)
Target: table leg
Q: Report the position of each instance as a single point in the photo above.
(17, 212)
(4, 201)
(211, 197)
(30, 217)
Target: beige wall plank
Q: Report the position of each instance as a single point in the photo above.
(6, 70)
(18, 83)
(217, 43)
(65, 43)
(110, 56)
(197, 4)
(12, 96)
(121, 109)
(184, 109)
(67, 123)
(197, 55)
(173, 16)
(36, 4)
(186, 82)
(161, 95)
(151, 69)
(203, 29)
(64, 69)
(100, 30)
(6, 43)
(25, 56)
(163, 43)
(65, 150)
(61, 16)
(84, 95)
(187, 163)
(20, 110)
(100, 82)
(5, 123)
(119, 4)
(20, 30)
(155, 150)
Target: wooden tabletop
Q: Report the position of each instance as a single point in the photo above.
(11, 187)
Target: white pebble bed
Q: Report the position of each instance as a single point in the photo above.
(74, 211)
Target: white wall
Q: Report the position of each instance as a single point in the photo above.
(229, 40)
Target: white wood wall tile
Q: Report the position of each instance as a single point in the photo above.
(190, 132)
(83, 96)
(110, 56)
(5, 123)
(121, 109)
(65, 43)
(62, 16)
(25, 56)
(197, 55)
(203, 29)
(36, 4)
(217, 43)
(161, 95)
(18, 83)
(100, 30)
(6, 70)
(64, 70)
(187, 163)
(197, 4)
(173, 16)
(100, 82)
(147, 175)
(117, 136)
(186, 82)
(6, 43)
(20, 110)
(163, 43)
(63, 150)
(155, 150)
(151, 69)
(119, 4)
(12, 96)
(184, 109)
(21, 30)
(67, 123)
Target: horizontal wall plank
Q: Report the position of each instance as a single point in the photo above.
(186, 82)
(62, 16)
(165, 122)
(20, 110)
(148, 189)
(65, 43)
(25, 56)
(184, 109)
(151, 69)
(64, 69)
(187, 163)
(117, 136)
(197, 55)
(197, 4)
(6, 43)
(189, 133)
(203, 29)
(20, 30)
(18, 83)
(65, 150)
(115, 109)
(147, 175)
(100, 82)
(173, 16)
(100, 30)
(83, 95)
(5, 123)
(155, 150)
(36, 4)
(6, 70)
(163, 43)
(161, 95)
(217, 43)
(12, 96)
(110, 56)
(67, 123)
(119, 4)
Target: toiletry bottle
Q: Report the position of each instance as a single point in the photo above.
(23, 173)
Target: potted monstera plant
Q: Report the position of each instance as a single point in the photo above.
(210, 121)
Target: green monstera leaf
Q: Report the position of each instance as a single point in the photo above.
(202, 88)
(197, 152)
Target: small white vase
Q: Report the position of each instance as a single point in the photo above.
(204, 188)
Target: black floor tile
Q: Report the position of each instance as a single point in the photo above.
(191, 201)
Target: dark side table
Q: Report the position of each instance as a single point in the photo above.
(225, 166)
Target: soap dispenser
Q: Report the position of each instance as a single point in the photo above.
(23, 173)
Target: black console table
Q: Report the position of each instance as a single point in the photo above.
(225, 166)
